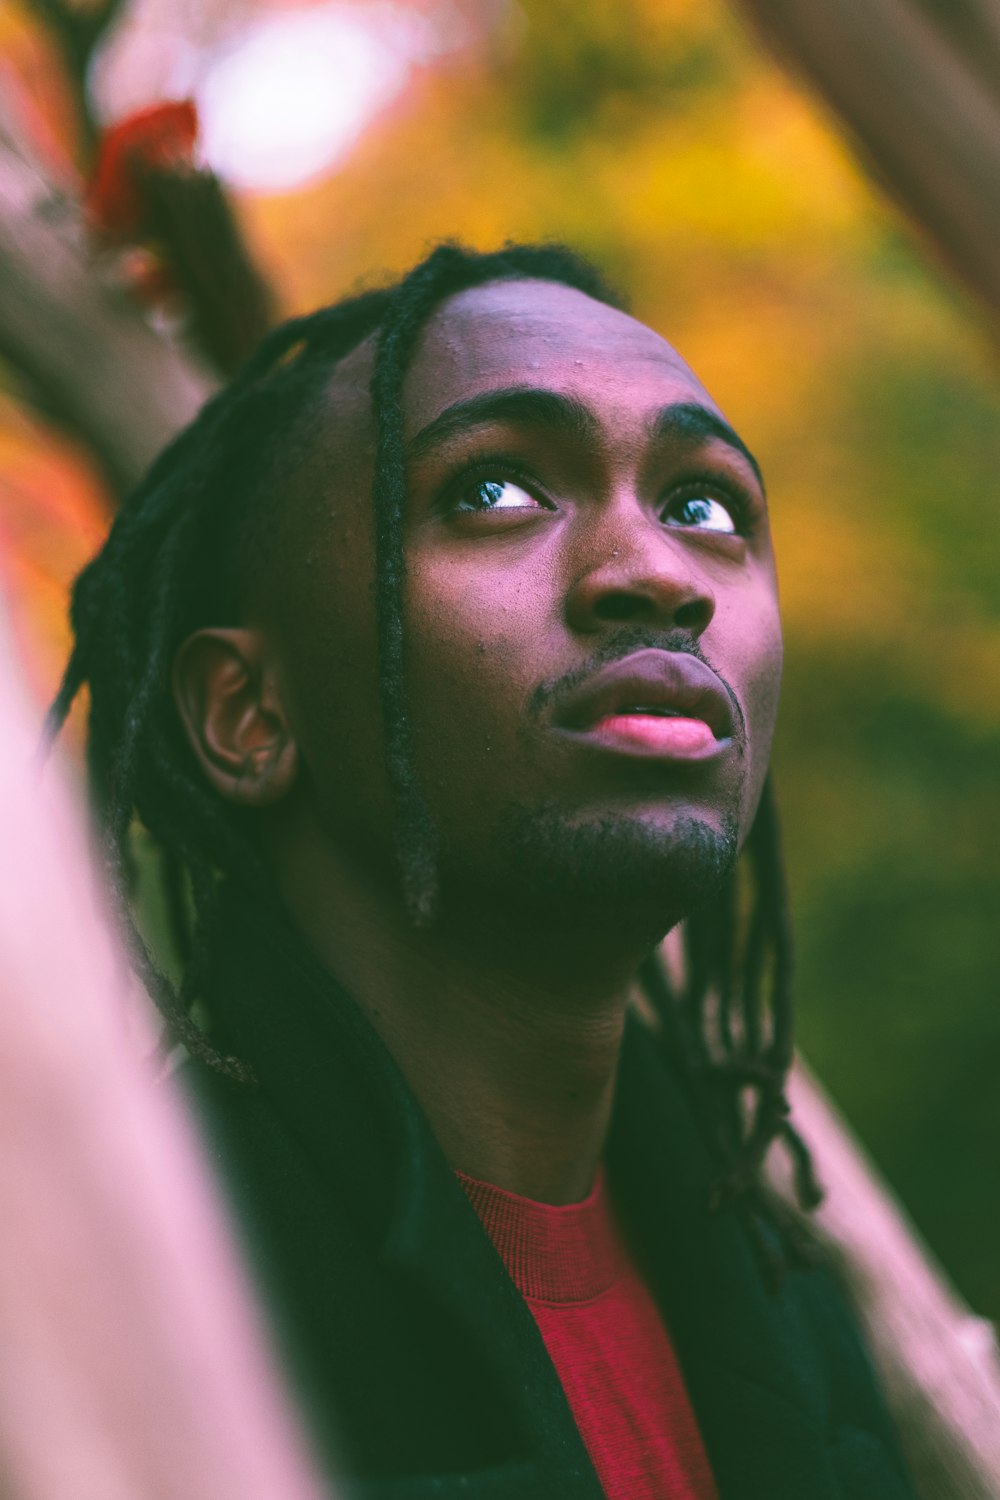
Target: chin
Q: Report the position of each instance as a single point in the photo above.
(632, 872)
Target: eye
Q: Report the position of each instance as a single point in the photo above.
(701, 513)
(494, 495)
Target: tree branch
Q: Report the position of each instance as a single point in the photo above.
(910, 84)
(77, 30)
(938, 1362)
(107, 378)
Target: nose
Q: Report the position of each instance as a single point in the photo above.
(635, 571)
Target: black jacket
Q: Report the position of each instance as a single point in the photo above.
(418, 1361)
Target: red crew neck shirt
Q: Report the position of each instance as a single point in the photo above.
(605, 1336)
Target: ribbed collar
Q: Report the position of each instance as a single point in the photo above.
(557, 1253)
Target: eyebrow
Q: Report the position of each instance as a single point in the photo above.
(520, 404)
(685, 422)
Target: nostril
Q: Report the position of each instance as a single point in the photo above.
(620, 607)
(694, 615)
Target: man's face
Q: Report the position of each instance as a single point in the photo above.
(593, 644)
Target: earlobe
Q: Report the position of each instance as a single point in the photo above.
(228, 701)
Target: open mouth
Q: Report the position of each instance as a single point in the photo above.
(665, 704)
(657, 713)
(661, 731)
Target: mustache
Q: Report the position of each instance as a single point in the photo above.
(615, 647)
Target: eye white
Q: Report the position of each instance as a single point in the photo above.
(497, 494)
(701, 513)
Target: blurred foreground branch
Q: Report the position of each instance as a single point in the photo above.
(132, 1362)
(917, 82)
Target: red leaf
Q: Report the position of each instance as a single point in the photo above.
(163, 135)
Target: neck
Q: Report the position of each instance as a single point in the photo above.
(510, 1042)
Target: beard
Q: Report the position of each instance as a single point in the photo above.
(612, 876)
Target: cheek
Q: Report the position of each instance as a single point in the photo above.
(762, 709)
(756, 659)
(468, 623)
(460, 664)
(477, 646)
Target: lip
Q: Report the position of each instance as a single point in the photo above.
(679, 685)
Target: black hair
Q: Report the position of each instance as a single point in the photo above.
(172, 563)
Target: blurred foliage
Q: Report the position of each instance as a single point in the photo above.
(656, 136)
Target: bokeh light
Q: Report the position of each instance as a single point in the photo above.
(289, 98)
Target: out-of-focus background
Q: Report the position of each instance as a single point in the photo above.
(662, 139)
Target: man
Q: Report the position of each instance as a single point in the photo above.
(449, 636)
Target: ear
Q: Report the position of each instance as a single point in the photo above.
(228, 701)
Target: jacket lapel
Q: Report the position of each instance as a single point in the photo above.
(436, 1239)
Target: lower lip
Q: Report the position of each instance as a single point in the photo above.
(666, 738)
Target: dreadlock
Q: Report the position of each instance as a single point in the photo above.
(173, 563)
(735, 1041)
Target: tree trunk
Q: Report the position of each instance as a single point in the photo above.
(917, 83)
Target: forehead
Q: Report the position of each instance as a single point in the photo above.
(540, 333)
(535, 333)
